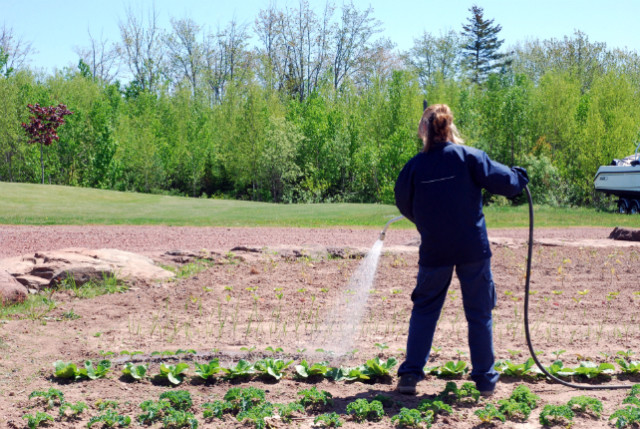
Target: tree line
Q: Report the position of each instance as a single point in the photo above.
(319, 109)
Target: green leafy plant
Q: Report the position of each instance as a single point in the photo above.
(489, 413)
(304, 370)
(628, 416)
(100, 371)
(272, 367)
(179, 419)
(215, 409)
(110, 419)
(256, 414)
(558, 369)
(584, 404)
(208, 370)
(137, 372)
(362, 410)
(104, 404)
(328, 420)
(435, 405)
(34, 421)
(286, 411)
(450, 369)
(467, 391)
(313, 399)
(241, 399)
(174, 373)
(593, 370)
(556, 414)
(178, 399)
(75, 409)
(52, 396)
(242, 369)
(65, 370)
(412, 418)
(376, 368)
(513, 409)
(152, 411)
(523, 395)
(526, 369)
(629, 368)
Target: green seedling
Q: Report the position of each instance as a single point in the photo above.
(362, 410)
(75, 409)
(178, 399)
(526, 369)
(378, 368)
(215, 409)
(110, 419)
(305, 370)
(489, 413)
(629, 368)
(272, 367)
(450, 369)
(436, 406)
(556, 414)
(584, 404)
(287, 411)
(626, 354)
(208, 370)
(53, 397)
(557, 353)
(179, 419)
(256, 415)
(381, 346)
(328, 420)
(34, 421)
(174, 373)
(241, 399)
(558, 370)
(628, 416)
(313, 399)
(274, 350)
(152, 411)
(593, 370)
(242, 369)
(137, 372)
(104, 404)
(412, 418)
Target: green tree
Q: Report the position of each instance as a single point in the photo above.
(480, 51)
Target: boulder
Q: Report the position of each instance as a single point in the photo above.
(625, 234)
(11, 291)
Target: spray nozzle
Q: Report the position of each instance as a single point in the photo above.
(384, 230)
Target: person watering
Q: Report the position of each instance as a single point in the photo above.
(440, 191)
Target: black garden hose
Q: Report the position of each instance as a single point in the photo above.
(526, 318)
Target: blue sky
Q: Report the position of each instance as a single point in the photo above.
(55, 28)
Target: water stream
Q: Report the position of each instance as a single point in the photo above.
(343, 319)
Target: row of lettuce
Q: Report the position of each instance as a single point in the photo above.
(372, 370)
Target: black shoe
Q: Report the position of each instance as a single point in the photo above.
(407, 384)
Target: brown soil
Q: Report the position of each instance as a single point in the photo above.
(585, 300)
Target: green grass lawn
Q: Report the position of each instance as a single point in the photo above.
(29, 204)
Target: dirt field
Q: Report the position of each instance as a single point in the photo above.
(585, 300)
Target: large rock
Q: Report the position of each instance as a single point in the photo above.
(11, 291)
(48, 269)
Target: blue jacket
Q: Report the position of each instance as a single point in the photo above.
(440, 191)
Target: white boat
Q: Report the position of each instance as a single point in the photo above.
(622, 179)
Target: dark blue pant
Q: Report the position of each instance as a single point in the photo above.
(478, 297)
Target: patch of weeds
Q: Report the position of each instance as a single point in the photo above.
(109, 284)
(70, 315)
(34, 307)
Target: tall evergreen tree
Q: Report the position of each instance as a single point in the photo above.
(480, 51)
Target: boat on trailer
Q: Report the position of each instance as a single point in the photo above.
(622, 179)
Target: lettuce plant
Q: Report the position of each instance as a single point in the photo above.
(174, 373)
(305, 370)
(137, 372)
(208, 370)
(272, 367)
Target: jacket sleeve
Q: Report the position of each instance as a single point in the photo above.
(404, 191)
(495, 177)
